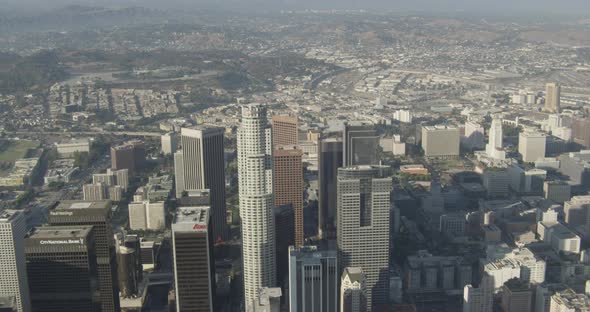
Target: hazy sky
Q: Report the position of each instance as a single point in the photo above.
(507, 6)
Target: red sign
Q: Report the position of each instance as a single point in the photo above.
(198, 227)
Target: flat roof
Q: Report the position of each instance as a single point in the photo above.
(191, 219)
(8, 215)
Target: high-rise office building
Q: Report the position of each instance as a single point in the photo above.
(288, 184)
(552, 98)
(179, 173)
(517, 296)
(581, 131)
(13, 272)
(129, 155)
(353, 291)
(146, 215)
(203, 166)
(479, 299)
(363, 225)
(440, 141)
(285, 237)
(360, 144)
(169, 143)
(267, 300)
(194, 266)
(62, 269)
(256, 201)
(285, 131)
(313, 280)
(94, 192)
(330, 159)
(474, 138)
(98, 215)
(532, 145)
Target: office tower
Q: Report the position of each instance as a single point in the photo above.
(285, 131)
(353, 291)
(474, 138)
(146, 215)
(169, 143)
(363, 225)
(576, 210)
(543, 295)
(94, 192)
(494, 148)
(203, 166)
(112, 178)
(404, 116)
(557, 191)
(285, 237)
(569, 301)
(267, 300)
(576, 166)
(440, 141)
(194, 266)
(552, 98)
(479, 299)
(360, 144)
(517, 296)
(179, 173)
(313, 280)
(98, 215)
(288, 184)
(256, 200)
(581, 131)
(13, 271)
(126, 273)
(453, 224)
(129, 155)
(330, 159)
(62, 269)
(496, 182)
(531, 145)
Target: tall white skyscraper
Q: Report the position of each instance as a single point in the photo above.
(479, 299)
(363, 226)
(256, 201)
(13, 267)
(495, 143)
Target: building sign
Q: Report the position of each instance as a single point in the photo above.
(199, 227)
(63, 242)
(61, 213)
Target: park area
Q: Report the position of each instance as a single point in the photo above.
(11, 150)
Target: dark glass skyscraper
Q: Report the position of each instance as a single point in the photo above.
(62, 269)
(98, 215)
(330, 159)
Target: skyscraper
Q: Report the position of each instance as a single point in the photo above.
(479, 299)
(256, 201)
(129, 155)
(13, 272)
(363, 225)
(62, 269)
(288, 184)
(353, 291)
(532, 145)
(204, 168)
(313, 280)
(440, 141)
(194, 266)
(330, 159)
(360, 144)
(179, 173)
(552, 98)
(98, 215)
(285, 131)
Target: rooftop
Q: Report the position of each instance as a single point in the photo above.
(61, 232)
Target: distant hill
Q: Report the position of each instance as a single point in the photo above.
(79, 17)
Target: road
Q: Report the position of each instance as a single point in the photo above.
(114, 133)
